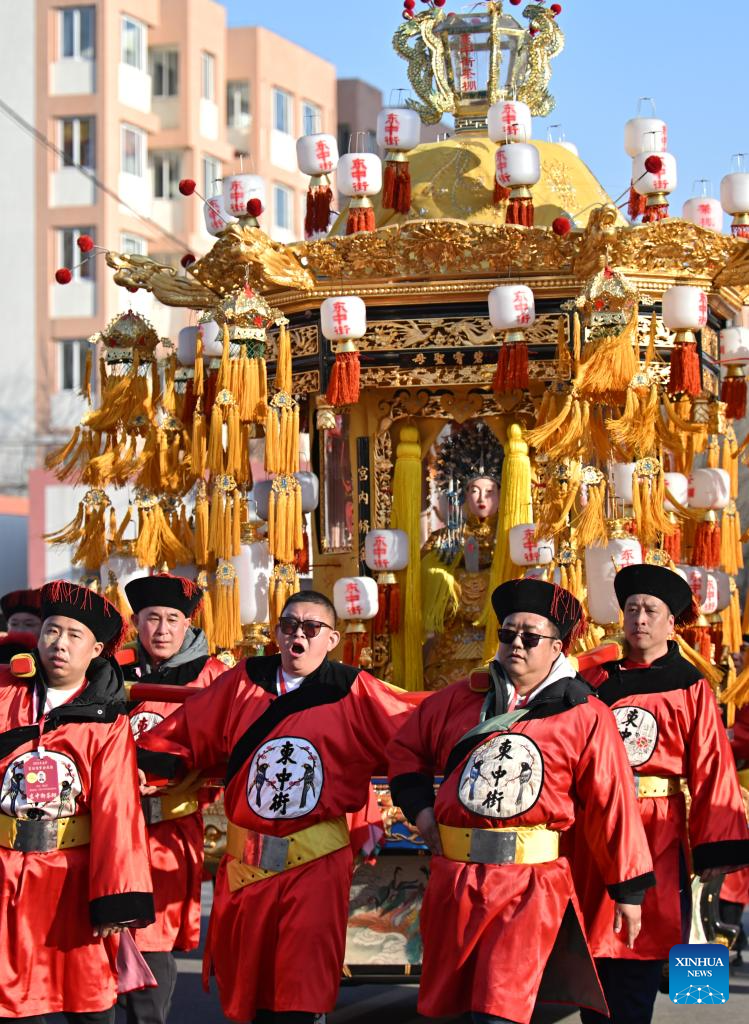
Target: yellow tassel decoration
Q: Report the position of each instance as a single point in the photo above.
(591, 527)
(227, 626)
(609, 363)
(285, 518)
(198, 370)
(283, 364)
(215, 454)
(201, 547)
(650, 353)
(199, 453)
(156, 541)
(406, 515)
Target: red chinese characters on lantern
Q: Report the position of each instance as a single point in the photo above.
(705, 215)
(340, 319)
(521, 307)
(503, 176)
(626, 557)
(392, 129)
(467, 63)
(660, 179)
(711, 595)
(359, 175)
(215, 220)
(703, 308)
(664, 138)
(380, 552)
(322, 152)
(694, 579)
(236, 193)
(509, 119)
(353, 599)
(530, 547)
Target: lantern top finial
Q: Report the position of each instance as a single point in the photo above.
(461, 62)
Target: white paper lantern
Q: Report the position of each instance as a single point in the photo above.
(187, 341)
(509, 121)
(709, 488)
(398, 129)
(734, 193)
(649, 183)
(724, 589)
(359, 174)
(254, 566)
(684, 308)
(517, 165)
(386, 550)
(527, 549)
(643, 134)
(696, 577)
(239, 189)
(601, 566)
(355, 597)
(317, 154)
(511, 307)
(678, 485)
(704, 211)
(310, 488)
(343, 317)
(734, 346)
(540, 572)
(621, 481)
(216, 218)
(711, 587)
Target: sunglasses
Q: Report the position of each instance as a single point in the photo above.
(507, 636)
(310, 627)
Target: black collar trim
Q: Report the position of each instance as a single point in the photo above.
(666, 674)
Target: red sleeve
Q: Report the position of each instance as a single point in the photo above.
(608, 808)
(381, 710)
(196, 735)
(593, 675)
(718, 831)
(413, 756)
(120, 887)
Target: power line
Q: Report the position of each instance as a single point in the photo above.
(43, 140)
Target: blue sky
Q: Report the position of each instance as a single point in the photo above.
(687, 54)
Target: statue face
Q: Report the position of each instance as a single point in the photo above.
(482, 497)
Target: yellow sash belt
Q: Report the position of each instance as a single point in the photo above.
(167, 807)
(42, 836)
(249, 850)
(656, 785)
(535, 844)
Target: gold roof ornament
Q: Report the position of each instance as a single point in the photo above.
(129, 330)
(461, 63)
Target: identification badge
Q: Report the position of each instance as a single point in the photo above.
(41, 779)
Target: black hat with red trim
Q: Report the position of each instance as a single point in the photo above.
(541, 598)
(60, 597)
(163, 590)
(21, 601)
(661, 582)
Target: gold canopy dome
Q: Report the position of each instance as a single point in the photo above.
(454, 179)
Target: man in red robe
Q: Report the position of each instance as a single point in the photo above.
(20, 609)
(672, 730)
(526, 753)
(73, 856)
(299, 737)
(169, 651)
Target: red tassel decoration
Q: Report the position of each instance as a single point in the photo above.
(672, 545)
(382, 609)
(685, 370)
(360, 218)
(740, 230)
(512, 368)
(698, 637)
(301, 557)
(520, 211)
(636, 204)
(353, 645)
(501, 194)
(394, 608)
(733, 393)
(396, 186)
(317, 217)
(706, 550)
(343, 386)
(652, 214)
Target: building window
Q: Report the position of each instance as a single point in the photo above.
(165, 166)
(282, 111)
(211, 175)
(70, 256)
(311, 118)
(283, 199)
(208, 76)
(77, 142)
(165, 72)
(133, 38)
(133, 141)
(133, 245)
(72, 363)
(77, 33)
(238, 104)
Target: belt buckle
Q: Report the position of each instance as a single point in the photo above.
(152, 809)
(636, 779)
(35, 835)
(492, 847)
(267, 852)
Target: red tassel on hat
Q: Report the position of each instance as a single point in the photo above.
(733, 393)
(343, 386)
(396, 186)
(685, 370)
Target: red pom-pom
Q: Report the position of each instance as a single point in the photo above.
(409, 4)
(85, 243)
(407, 14)
(131, 288)
(439, 3)
(63, 276)
(187, 186)
(556, 8)
(187, 260)
(561, 226)
(254, 207)
(653, 165)
(514, 2)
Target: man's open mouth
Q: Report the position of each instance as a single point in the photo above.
(297, 648)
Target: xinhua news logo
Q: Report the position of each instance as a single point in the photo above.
(698, 973)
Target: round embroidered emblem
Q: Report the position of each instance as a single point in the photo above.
(503, 777)
(639, 732)
(285, 778)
